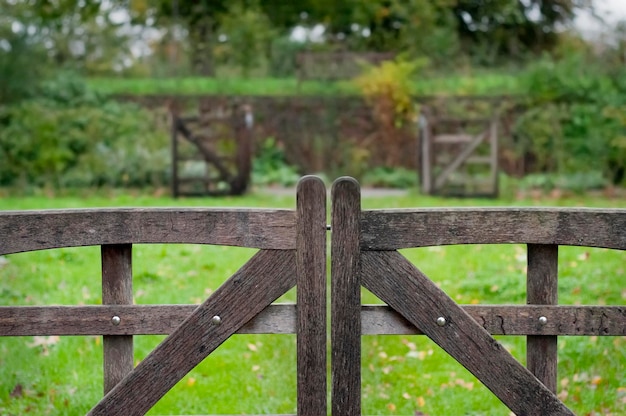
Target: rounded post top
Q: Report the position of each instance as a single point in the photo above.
(346, 184)
(310, 181)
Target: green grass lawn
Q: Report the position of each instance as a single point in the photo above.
(256, 373)
(481, 84)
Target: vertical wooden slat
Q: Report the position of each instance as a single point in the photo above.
(346, 297)
(117, 289)
(426, 157)
(493, 138)
(174, 136)
(311, 296)
(542, 289)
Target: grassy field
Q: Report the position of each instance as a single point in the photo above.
(482, 84)
(256, 373)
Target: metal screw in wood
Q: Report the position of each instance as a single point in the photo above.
(116, 320)
(543, 320)
(441, 321)
(216, 320)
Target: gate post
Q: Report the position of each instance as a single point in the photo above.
(346, 297)
(542, 289)
(117, 289)
(311, 296)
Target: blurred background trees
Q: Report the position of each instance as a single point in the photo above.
(100, 37)
(573, 86)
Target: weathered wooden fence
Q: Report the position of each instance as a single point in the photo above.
(364, 252)
(292, 251)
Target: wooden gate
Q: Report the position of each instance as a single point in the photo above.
(459, 157)
(292, 251)
(364, 252)
(212, 152)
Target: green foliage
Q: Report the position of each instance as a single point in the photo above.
(573, 123)
(484, 83)
(576, 182)
(388, 89)
(270, 167)
(249, 34)
(20, 67)
(384, 177)
(572, 78)
(69, 137)
(283, 57)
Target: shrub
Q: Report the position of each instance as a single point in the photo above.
(270, 167)
(574, 122)
(19, 68)
(69, 137)
(384, 177)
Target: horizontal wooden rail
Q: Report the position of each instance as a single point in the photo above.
(408, 228)
(133, 320)
(254, 228)
(512, 320)
(281, 319)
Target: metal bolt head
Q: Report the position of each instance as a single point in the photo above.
(116, 320)
(543, 320)
(441, 321)
(216, 320)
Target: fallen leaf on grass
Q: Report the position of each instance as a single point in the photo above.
(44, 342)
(18, 391)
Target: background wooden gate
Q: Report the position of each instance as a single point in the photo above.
(459, 156)
(212, 151)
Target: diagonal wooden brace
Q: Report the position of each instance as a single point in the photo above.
(396, 281)
(267, 276)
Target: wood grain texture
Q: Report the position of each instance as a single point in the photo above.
(37, 230)
(117, 289)
(264, 278)
(403, 287)
(345, 298)
(135, 320)
(396, 229)
(542, 289)
(311, 296)
(512, 320)
(281, 319)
